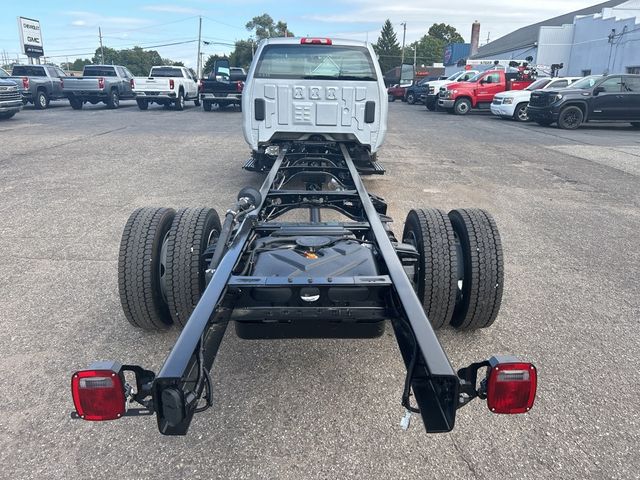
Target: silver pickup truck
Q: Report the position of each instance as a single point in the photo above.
(99, 83)
(10, 99)
(40, 83)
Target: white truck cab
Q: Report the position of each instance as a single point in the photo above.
(312, 88)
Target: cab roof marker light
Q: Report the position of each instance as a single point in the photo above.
(315, 41)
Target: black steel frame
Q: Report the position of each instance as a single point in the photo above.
(181, 382)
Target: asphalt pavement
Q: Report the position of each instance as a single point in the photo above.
(567, 205)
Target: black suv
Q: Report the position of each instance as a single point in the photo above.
(593, 98)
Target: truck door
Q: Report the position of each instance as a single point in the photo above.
(56, 85)
(488, 86)
(125, 83)
(608, 101)
(631, 94)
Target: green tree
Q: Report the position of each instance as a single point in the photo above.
(429, 50)
(387, 48)
(242, 53)
(265, 27)
(136, 59)
(446, 33)
(78, 64)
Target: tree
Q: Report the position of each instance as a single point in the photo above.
(446, 33)
(78, 64)
(265, 27)
(429, 50)
(242, 53)
(387, 47)
(136, 59)
(208, 65)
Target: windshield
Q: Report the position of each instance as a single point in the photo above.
(29, 71)
(166, 72)
(538, 84)
(586, 82)
(454, 76)
(3, 74)
(323, 62)
(97, 71)
(476, 77)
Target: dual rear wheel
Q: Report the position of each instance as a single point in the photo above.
(460, 272)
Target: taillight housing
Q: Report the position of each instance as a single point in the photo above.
(315, 41)
(239, 86)
(132, 82)
(172, 84)
(200, 85)
(62, 83)
(25, 83)
(101, 82)
(98, 393)
(511, 387)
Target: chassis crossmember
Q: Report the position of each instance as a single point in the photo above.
(309, 278)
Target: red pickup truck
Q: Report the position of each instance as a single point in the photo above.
(478, 92)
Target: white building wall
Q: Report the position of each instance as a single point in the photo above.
(554, 46)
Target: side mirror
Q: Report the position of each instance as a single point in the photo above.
(598, 90)
(222, 70)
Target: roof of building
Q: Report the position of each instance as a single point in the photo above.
(528, 36)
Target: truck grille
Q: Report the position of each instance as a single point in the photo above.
(538, 100)
(9, 95)
(497, 101)
(432, 90)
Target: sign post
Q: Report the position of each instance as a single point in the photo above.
(31, 38)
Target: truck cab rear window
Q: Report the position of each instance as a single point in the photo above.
(315, 62)
(166, 72)
(29, 71)
(99, 71)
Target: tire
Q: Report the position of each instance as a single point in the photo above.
(431, 106)
(179, 104)
(570, 118)
(544, 123)
(41, 102)
(635, 124)
(206, 106)
(7, 115)
(520, 113)
(113, 101)
(392, 98)
(141, 270)
(75, 103)
(143, 103)
(462, 106)
(480, 250)
(436, 276)
(411, 98)
(196, 102)
(192, 231)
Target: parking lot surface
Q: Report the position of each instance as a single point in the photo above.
(567, 205)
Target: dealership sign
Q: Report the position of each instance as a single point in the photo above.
(30, 37)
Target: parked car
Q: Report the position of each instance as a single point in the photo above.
(610, 98)
(418, 89)
(10, 99)
(432, 90)
(40, 83)
(166, 85)
(223, 86)
(478, 92)
(513, 104)
(397, 91)
(99, 83)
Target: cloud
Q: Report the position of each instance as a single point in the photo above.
(171, 9)
(93, 20)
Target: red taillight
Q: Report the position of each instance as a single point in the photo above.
(132, 83)
(200, 85)
(315, 41)
(511, 387)
(239, 86)
(172, 84)
(101, 82)
(25, 83)
(98, 394)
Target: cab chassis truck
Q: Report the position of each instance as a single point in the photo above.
(307, 277)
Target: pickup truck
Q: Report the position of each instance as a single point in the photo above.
(478, 92)
(10, 99)
(418, 89)
(513, 104)
(223, 86)
(40, 83)
(99, 83)
(609, 98)
(430, 98)
(166, 85)
(397, 92)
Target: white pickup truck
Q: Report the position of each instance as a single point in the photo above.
(513, 103)
(433, 88)
(166, 85)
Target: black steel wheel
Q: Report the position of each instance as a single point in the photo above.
(113, 101)
(141, 269)
(192, 232)
(570, 118)
(481, 283)
(520, 113)
(462, 106)
(436, 275)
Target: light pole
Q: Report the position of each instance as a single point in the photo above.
(404, 35)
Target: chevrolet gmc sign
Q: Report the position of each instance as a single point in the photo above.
(30, 37)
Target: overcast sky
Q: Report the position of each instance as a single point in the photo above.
(70, 27)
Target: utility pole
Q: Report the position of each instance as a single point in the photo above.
(404, 34)
(101, 47)
(199, 70)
